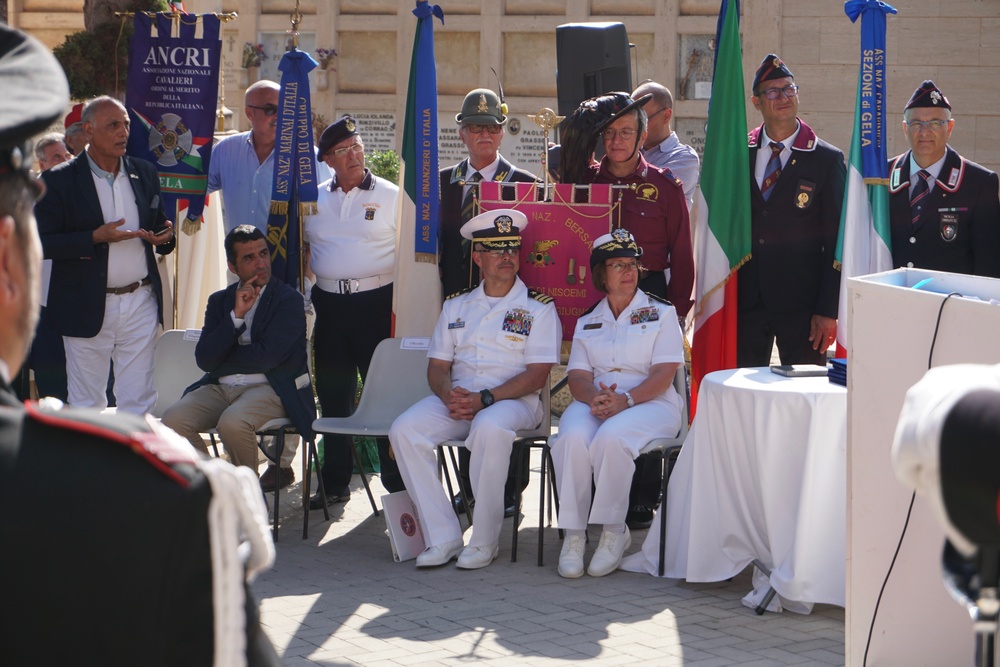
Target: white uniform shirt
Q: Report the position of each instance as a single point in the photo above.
(622, 351)
(489, 345)
(353, 235)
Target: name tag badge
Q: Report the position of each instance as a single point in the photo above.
(949, 226)
(592, 325)
(457, 324)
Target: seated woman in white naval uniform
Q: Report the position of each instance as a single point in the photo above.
(626, 350)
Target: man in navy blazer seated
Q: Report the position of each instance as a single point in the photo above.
(100, 221)
(253, 351)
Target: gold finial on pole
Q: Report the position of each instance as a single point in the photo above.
(546, 119)
(296, 18)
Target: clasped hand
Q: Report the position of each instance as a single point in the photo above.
(463, 404)
(246, 296)
(607, 402)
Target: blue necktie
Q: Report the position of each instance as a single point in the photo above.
(919, 194)
(772, 171)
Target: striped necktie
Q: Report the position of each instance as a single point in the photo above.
(772, 171)
(919, 194)
(468, 203)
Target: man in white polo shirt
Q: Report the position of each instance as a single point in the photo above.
(352, 243)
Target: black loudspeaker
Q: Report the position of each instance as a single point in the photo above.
(591, 59)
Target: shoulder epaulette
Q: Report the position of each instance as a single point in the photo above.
(657, 297)
(590, 310)
(156, 444)
(459, 293)
(540, 296)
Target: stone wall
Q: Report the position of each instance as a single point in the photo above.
(954, 42)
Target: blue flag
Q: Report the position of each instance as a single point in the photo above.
(173, 85)
(294, 192)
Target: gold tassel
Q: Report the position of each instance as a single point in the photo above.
(307, 208)
(426, 257)
(279, 207)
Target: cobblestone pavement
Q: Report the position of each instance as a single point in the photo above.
(337, 598)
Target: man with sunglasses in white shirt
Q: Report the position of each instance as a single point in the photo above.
(944, 210)
(352, 246)
(788, 290)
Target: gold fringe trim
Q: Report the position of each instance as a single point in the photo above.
(425, 257)
(308, 208)
(877, 181)
(279, 207)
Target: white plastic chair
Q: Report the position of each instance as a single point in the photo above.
(397, 378)
(174, 368)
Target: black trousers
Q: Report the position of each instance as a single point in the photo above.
(757, 330)
(348, 329)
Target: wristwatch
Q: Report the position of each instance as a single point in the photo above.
(629, 400)
(487, 397)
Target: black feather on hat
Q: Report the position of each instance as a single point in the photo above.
(579, 132)
(35, 95)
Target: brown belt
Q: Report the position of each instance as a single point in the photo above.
(128, 289)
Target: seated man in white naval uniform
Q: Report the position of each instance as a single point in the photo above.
(489, 357)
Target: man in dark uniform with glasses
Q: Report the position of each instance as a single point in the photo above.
(481, 128)
(944, 210)
(788, 290)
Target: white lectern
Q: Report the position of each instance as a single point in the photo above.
(891, 328)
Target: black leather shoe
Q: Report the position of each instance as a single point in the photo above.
(460, 505)
(510, 507)
(332, 498)
(639, 517)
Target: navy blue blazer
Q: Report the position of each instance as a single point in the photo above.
(277, 348)
(67, 216)
(959, 229)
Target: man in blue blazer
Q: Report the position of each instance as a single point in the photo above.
(100, 221)
(253, 351)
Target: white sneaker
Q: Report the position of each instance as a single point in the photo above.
(571, 556)
(609, 553)
(473, 558)
(440, 554)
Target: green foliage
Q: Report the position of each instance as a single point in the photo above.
(384, 164)
(96, 62)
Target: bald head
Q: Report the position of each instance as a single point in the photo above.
(660, 109)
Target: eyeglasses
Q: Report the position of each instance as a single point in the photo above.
(915, 126)
(268, 109)
(626, 134)
(650, 114)
(478, 129)
(621, 267)
(497, 253)
(356, 147)
(788, 92)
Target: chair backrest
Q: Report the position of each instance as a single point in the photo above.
(397, 378)
(544, 429)
(174, 367)
(681, 386)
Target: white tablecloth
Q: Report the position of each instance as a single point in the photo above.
(762, 475)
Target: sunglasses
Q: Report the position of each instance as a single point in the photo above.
(478, 129)
(268, 109)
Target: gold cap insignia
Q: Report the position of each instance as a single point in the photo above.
(349, 125)
(621, 235)
(503, 224)
(483, 107)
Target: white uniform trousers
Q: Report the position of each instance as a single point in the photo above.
(128, 338)
(489, 437)
(603, 450)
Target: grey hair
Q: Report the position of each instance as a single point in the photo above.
(907, 113)
(91, 107)
(46, 141)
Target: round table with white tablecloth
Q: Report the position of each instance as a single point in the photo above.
(761, 476)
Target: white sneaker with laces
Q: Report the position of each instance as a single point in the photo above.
(571, 556)
(609, 553)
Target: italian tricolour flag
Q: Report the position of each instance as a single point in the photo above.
(722, 212)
